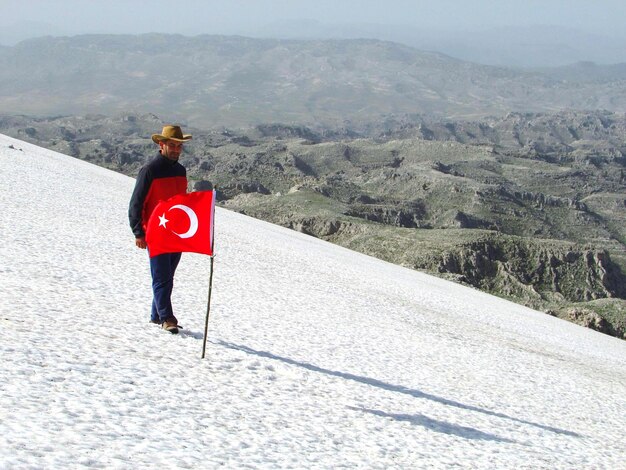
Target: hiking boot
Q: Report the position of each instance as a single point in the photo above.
(170, 325)
(157, 321)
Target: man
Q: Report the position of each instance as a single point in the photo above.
(160, 179)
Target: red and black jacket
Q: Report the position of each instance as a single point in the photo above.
(158, 180)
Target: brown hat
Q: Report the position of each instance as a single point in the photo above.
(170, 132)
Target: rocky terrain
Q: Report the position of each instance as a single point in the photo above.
(531, 207)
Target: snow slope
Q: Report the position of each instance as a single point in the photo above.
(317, 357)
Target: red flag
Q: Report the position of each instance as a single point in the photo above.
(182, 223)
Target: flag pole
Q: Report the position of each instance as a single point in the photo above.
(208, 304)
(208, 310)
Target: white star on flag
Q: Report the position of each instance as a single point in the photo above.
(162, 220)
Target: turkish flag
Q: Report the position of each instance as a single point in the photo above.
(182, 223)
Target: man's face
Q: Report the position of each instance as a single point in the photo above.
(171, 149)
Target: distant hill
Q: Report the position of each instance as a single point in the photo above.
(587, 72)
(513, 46)
(237, 81)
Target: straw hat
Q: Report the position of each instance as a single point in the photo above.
(170, 132)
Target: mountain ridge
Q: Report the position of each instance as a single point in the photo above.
(230, 80)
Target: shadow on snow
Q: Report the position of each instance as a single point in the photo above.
(415, 419)
(438, 426)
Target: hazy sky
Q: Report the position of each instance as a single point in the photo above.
(241, 16)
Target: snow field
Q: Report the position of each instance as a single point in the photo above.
(317, 357)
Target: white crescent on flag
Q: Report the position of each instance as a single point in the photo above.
(193, 220)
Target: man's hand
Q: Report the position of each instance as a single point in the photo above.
(141, 242)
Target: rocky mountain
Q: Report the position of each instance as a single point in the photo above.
(530, 206)
(208, 81)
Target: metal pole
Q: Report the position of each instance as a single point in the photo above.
(208, 310)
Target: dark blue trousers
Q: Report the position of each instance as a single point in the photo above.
(163, 268)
